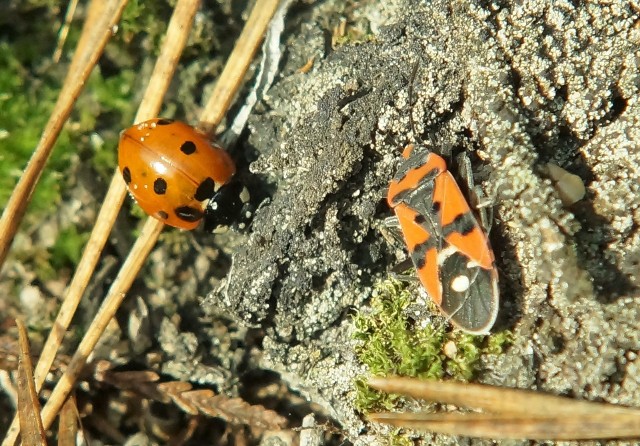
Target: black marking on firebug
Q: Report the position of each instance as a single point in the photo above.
(464, 223)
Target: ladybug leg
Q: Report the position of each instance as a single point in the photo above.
(478, 200)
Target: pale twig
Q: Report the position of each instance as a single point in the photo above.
(507, 413)
(102, 17)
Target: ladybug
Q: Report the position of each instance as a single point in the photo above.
(447, 245)
(173, 171)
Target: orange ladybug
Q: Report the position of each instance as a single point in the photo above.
(172, 170)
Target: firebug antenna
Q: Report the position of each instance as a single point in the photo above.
(412, 80)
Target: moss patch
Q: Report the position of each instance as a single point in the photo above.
(25, 104)
(392, 343)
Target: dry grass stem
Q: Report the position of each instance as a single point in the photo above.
(134, 262)
(28, 405)
(518, 427)
(237, 65)
(98, 29)
(515, 414)
(177, 35)
(224, 92)
(64, 30)
(68, 424)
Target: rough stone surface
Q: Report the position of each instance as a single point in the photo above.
(518, 83)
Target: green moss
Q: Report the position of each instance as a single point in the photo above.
(398, 438)
(25, 104)
(67, 249)
(40, 259)
(498, 342)
(148, 17)
(391, 343)
(354, 37)
(366, 397)
(29, 87)
(105, 105)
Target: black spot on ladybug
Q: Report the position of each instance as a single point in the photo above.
(436, 206)
(126, 174)
(164, 121)
(188, 213)
(205, 190)
(160, 186)
(188, 147)
(163, 215)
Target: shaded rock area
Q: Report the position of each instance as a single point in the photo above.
(517, 85)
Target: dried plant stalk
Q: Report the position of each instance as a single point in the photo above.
(28, 405)
(134, 261)
(516, 414)
(68, 425)
(98, 29)
(177, 35)
(193, 402)
(123, 281)
(494, 399)
(518, 427)
(237, 64)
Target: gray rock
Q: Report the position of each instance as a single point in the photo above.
(521, 84)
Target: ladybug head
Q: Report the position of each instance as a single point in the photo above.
(229, 206)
